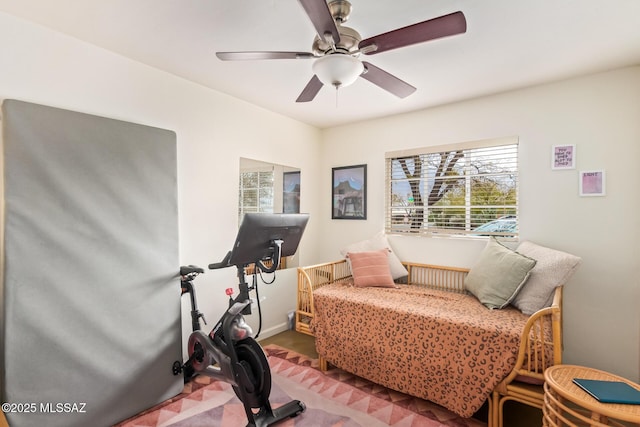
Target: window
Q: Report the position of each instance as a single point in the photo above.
(460, 189)
(256, 192)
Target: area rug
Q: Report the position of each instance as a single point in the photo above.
(333, 399)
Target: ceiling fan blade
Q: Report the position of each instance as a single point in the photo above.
(310, 90)
(443, 26)
(246, 56)
(318, 12)
(386, 81)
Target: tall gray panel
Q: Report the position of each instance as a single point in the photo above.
(91, 307)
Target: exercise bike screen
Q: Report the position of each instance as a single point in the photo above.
(258, 231)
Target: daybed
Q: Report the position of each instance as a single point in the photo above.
(429, 337)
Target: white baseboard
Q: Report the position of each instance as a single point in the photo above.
(274, 330)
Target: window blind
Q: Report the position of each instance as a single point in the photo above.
(256, 192)
(460, 189)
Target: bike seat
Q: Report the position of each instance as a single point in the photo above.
(188, 269)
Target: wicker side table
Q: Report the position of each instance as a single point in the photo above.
(566, 404)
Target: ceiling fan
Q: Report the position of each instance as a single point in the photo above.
(337, 48)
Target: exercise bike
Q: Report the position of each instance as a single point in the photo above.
(229, 351)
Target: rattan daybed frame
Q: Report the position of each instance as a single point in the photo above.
(529, 365)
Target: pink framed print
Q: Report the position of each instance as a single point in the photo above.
(563, 157)
(592, 183)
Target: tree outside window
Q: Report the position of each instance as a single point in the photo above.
(467, 190)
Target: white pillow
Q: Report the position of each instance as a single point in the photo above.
(377, 242)
(554, 268)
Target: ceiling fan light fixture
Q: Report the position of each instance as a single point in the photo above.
(337, 69)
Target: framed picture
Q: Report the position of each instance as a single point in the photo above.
(349, 192)
(592, 183)
(563, 157)
(291, 192)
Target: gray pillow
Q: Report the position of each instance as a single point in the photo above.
(498, 275)
(554, 268)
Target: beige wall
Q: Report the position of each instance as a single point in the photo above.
(213, 132)
(597, 113)
(601, 115)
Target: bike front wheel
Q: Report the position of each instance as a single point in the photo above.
(254, 379)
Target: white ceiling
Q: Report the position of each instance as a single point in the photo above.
(508, 44)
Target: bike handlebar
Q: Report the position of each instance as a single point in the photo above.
(222, 264)
(275, 256)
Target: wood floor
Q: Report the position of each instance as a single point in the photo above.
(301, 343)
(516, 414)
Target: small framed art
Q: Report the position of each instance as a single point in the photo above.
(563, 157)
(349, 192)
(592, 183)
(291, 192)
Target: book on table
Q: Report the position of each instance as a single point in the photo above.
(610, 391)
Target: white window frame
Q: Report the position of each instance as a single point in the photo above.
(401, 217)
(264, 191)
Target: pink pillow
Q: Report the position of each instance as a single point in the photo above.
(371, 269)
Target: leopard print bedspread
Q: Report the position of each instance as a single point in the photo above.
(437, 345)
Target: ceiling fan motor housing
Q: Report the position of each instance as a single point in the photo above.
(349, 40)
